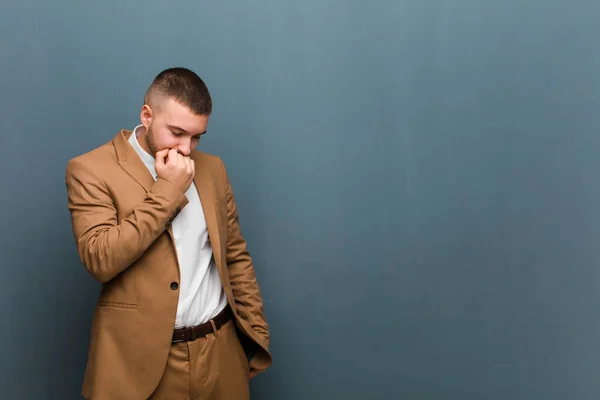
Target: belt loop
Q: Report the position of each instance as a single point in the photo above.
(212, 322)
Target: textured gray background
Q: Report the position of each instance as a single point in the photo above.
(417, 182)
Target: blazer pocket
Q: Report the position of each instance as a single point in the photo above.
(110, 304)
(119, 292)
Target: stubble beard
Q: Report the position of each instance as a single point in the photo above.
(151, 142)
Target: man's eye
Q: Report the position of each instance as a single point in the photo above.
(176, 134)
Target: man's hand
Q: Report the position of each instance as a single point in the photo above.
(175, 168)
(254, 372)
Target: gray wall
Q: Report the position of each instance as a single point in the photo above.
(417, 181)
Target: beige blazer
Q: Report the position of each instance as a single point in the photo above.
(121, 221)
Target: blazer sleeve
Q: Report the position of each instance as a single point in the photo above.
(107, 247)
(248, 300)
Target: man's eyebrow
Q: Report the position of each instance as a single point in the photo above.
(176, 128)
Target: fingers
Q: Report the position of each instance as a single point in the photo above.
(253, 372)
(178, 161)
(173, 157)
(185, 163)
(160, 156)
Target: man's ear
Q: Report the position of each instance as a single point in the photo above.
(146, 115)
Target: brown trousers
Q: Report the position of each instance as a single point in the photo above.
(214, 367)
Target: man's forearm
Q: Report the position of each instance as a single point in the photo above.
(108, 246)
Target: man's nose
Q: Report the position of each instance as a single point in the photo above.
(185, 147)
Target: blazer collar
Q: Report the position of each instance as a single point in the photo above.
(130, 161)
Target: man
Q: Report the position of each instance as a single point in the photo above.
(179, 315)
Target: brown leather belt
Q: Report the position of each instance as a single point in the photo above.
(198, 331)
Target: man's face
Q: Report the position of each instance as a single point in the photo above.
(171, 125)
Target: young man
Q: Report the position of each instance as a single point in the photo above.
(180, 315)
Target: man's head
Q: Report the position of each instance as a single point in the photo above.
(176, 110)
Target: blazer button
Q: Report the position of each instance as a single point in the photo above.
(174, 285)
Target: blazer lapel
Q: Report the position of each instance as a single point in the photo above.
(203, 183)
(130, 162)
